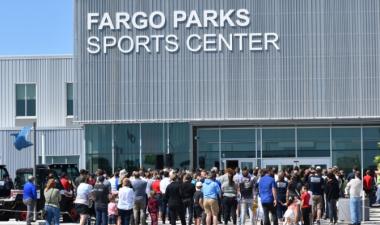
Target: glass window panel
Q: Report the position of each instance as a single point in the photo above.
(20, 100)
(208, 148)
(31, 107)
(313, 142)
(278, 143)
(31, 91)
(69, 99)
(98, 147)
(179, 144)
(346, 144)
(153, 143)
(371, 146)
(127, 146)
(238, 143)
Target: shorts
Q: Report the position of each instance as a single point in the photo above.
(112, 219)
(82, 209)
(198, 211)
(211, 206)
(317, 201)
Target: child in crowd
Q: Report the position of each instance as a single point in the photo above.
(198, 203)
(305, 205)
(153, 207)
(292, 213)
(112, 210)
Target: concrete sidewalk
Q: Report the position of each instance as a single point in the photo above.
(374, 220)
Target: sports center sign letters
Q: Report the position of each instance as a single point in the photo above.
(155, 32)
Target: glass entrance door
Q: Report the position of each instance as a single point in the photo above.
(233, 163)
(302, 163)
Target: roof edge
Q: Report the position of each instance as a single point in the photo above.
(14, 57)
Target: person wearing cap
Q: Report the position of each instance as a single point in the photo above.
(101, 193)
(316, 184)
(198, 203)
(30, 198)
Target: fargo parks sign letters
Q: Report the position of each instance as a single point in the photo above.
(139, 22)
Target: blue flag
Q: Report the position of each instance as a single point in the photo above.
(20, 141)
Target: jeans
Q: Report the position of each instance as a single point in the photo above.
(125, 216)
(378, 194)
(355, 207)
(244, 204)
(52, 215)
(164, 209)
(30, 204)
(101, 216)
(269, 208)
(139, 211)
(333, 211)
(229, 209)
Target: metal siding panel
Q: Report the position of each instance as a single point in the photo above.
(58, 142)
(328, 66)
(49, 74)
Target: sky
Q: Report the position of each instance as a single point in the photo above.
(36, 27)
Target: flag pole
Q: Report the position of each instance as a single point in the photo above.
(34, 164)
(34, 149)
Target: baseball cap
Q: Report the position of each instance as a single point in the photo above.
(198, 184)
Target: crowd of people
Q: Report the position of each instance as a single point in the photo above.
(232, 196)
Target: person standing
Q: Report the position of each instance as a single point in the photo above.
(52, 199)
(247, 189)
(174, 199)
(153, 208)
(282, 187)
(82, 201)
(369, 187)
(101, 194)
(353, 190)
(139, 186)
(211, 193)
(229, 190)
(29, 199)
(316, 184)
(164, 183)
(126, 201)
(268, 195)
(187, 193)
(332, 196)
(198, 203)
(112, 210)
(305, 206)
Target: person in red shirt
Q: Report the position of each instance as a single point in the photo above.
(305, 206)
(369, 186)
(66, 184)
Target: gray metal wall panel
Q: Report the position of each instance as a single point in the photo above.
(58, 142)
(328, 66)
(50, 75)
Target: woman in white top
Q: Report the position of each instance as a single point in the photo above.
(82, 200)
(126, 201)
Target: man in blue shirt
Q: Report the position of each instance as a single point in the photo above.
(30, 198)
(268, 195)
